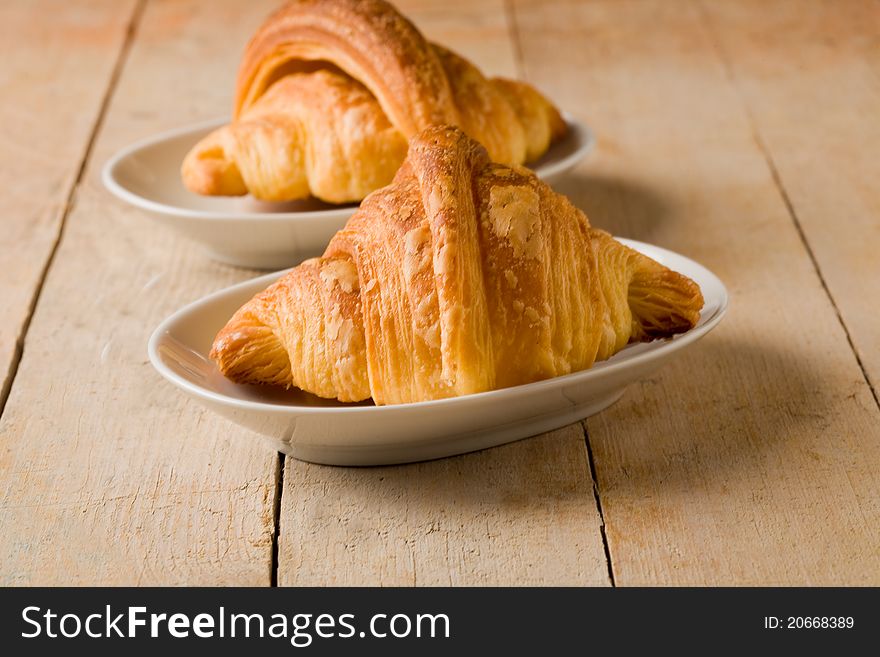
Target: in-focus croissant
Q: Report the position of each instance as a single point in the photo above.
(328, 93)
(461, 276)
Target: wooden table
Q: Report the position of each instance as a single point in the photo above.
(743, 134)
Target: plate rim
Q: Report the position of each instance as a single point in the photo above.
(586, 143)
(598, 371)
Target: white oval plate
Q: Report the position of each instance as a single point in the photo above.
(249, 233)
(324, 431)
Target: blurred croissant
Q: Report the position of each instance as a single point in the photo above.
(328, 93)
(461, 276)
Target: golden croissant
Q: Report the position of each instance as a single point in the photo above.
(461, 276)
(328, 93)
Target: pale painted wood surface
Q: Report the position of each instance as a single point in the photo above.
(521, 514)
(812, 83)
(60, 66)
(107, 474)
(752, 460)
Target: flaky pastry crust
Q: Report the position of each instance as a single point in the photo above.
(364, 81)
(463, 275)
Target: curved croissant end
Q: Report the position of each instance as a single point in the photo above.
(369, 40)
(417, 84)
(276, 339)
(286, 146)
(541, 121)
(461, 276)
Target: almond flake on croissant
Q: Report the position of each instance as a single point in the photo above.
(461, 276)
(328, 93)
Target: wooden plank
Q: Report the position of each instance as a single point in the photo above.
(752, 459)
(57, 59)
(521, 514)
(109, 475)
(480, 31)
(813, 91)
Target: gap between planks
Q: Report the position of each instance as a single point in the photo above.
(276, 533)
(592, 465)
(122, 56)
(724, 58)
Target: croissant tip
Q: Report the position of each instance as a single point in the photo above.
(247, 351)
(206, 169)
(226, 349)
(438, 135)
(665, 303)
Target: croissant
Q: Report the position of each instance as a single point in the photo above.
(328, 93)
(461, 276)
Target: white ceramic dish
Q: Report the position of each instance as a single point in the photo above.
(241, 230)
(322, 431)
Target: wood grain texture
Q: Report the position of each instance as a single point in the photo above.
(810, 75)
(57, 59)
(521, 514)
(480, 31)
(108, 475)
(752, 459)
